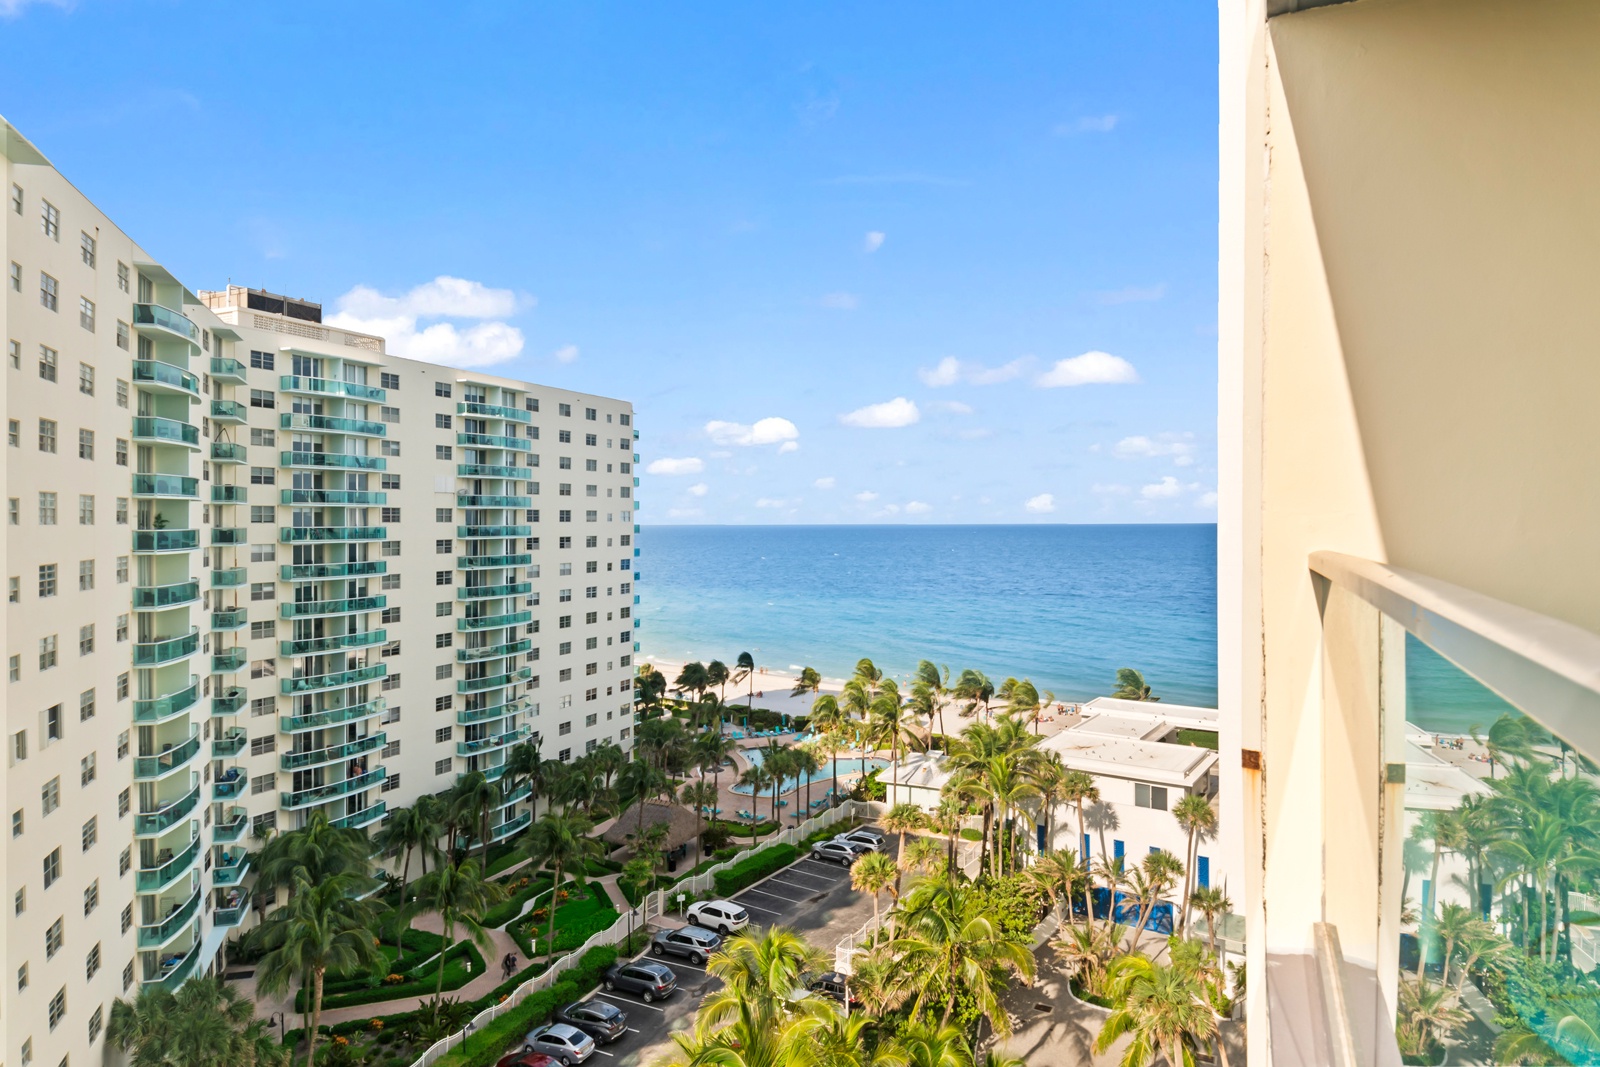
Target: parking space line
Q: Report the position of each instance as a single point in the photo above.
(613, 998)
(764, 911)
(806, 885)
(776, 896)
(603, 1052)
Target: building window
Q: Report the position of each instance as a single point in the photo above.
(47, 652)
(389, 514)
(121, 453)
(85, 510)
(388, 381)
(86, 632)
(263, 476)
(86, 711)
(52, 867)
(90, 833)
(389, 448)
(47, 579)
(441, 389)
(85, 575)
(262, 514)
(122, 744)
(1150, 796)
(442, 735)
(263, 783)
(124, 798)
(441, 451)
(58, 1006)
(390, 783)
(97, 1020)
(91, 897)
(391, 548)
(444, 547)
(264, 438)
(47, 436)
(260, 746)
(50, 220)
(86, 379)
(262, 398)
(441, 422)
(263, 630)
(444, 640)
(85, 444)
(263, 553)
(260, 706)
(442, 766)
(49, 290)
(261, 360)
(388, 414)
(263, 591)
(86, 313)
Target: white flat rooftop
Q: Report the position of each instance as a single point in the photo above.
(1145, 761)
(1434, 784)
(1132, 727)
(1180, 716)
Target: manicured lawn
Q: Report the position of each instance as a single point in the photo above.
(587, 911)
(1203, 738)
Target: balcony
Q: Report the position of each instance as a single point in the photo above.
(338, 680)
(165, 431)
(475, 532)
(154, 376)
(228, 370)
(229, 619)
(166, 485)
(294, 761)
(230, 578)
(357, 497)
(161, 708)
(149, 541)
(520, 559)
(231, 873)
(312, 646)
(302, 534)
(476, 500)
(169, 928)
(164, 322)
(229, 786)
(323, 793)
(172, 977)
(228, 701)
(230, 743)
(159, 650)
(487, 592)
(493, 681)
(490, 744)
(223, 918)
(229, 411)
(302, 609)
(498, 711)
(493, 411)
(293, 383)
(155, 879)
(232, 826)
(364, 817)
(303, 458)
(333, 717)
(489, 470)
(229, 452)
(491, 440)
(511, 826)
(229, 661)
(154, 768)
(161, 597)
(521, 792)
(230, 494)
(330, 424)
(229, 535)
(308, 571)
(508, 648)
(489, 622)
(155, 823)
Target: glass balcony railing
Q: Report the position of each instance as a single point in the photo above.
(337, 680)
(489, 744)
(233, 915)
(302, 609)
(155, 823)
(156, 709)
(493, 411)
(364, 817)
(323, 793)
(228, 619)
(165, 431)
(489, 470)
(349, 497)
(227, 370)
(494, 774)
(330, 424)
(232, 826)
(520, 559)
(165, 540)
(493, 681)
(492, 440)
(155, 879)
(229, 744)
(333, 717)
(167, 321)
(229, 452)
(166, 649)
(510, 826)
(229, 660)
(149, 768)
(231, 872)
(231, 578)
(478, 500)
(294, 761)
(229, 786)
(157, 376)
(489, 622)
(229, 411)
(486, 592)
(302, 534)
(160, 597)
(229, 535)
(230, 494)
(301, 572)
(312, 646)
(168, 928)
(167, 485)
(292, 383)
(521, 792)
(499, 711)
(507, 648)
(170, 975)
(475, 532)
(301, 458)
(228, 701)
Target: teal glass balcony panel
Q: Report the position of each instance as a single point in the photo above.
(290, 724)
(364, 817)
(519, 559)
(230, 743)
(294, 761)
(291, 383)
(160, 597)
(312, 646)
(509, 827)
(493, 681)
(161, 708)
(301, 458)
(165, 431)
(229, 411)
(478, 500)
(636, 483)
(330, 424)
(229, 660)
(230, 494)
(226, 787)
(485, 592)
(494, 774)
(323, 793)
(232, 826)
(166, 485)
(166, 540)
(150, 768)
(302, 609)
(232, 578)
(230, 619)
(227, 370)
(229, 452)
(498, 711)
(231, 873)
(493, 411)
(331, 496)
(314, 682)
(301, 534)
(488, 470)
(155, 879)
(170, 978)
(159, 377)
(166, 649)
(521, 792)
(507, 648)
(228, 701)
(165, 321)
(494, 440)
(308, 571)
(489, 622)
(169, 928)
(489, 744)
(229, 535)
(224, 918)
(158, 822)
(475, 532)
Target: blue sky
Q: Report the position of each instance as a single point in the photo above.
(852, 263)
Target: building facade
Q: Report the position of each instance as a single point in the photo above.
(233, 532)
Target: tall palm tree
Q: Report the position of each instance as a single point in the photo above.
(1131, 686)
(205, 1022)
(1149, 882)
(873, 873)
(808, 682)
(476, 797)
(692, 679)
(855, 701)
(948, 946)
(1211, 902)
(708, 751)
(746, 666)
(891, 725)
(829, 722)
(415, 828)
(928, 689)
(1164, 1010)
(1078, 789)
(649, 689)
(1196, 818)
(806, 765)
(928, 1045)
(562, 843)
(903, 819)
(640, 781)
(319, 850)
(779, 767)
(699, 796)
(758, 778)
(717, 675)
(946, 819)
(1050, 775)
(829, 1039)
(522, 763)
(458, 894)
(974, 690)
(759, 970)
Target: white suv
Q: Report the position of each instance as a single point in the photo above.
(720, 915)
(863, 838)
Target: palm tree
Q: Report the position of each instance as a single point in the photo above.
(975, 690)
(562, 843)
(808, 682)
(1050, 775)
(902, 819)
(759, 971)
(928, 689)
(828, 721)
(691, 679)
(699, 796)
(1112, 870)
(708, 751)
(1130, 686)
(649, 689)
(717, 675)
(205, 1022)
(923, 855)
(1086, 951)
(746, 666)
(640, 781)
(948, 946)
(1507, 738)
(928, 1045)
(522, 763)
(1428, 1014)
(873, 873)
(891, 724)
(458, 893)
(475, 798)
(1150, 882)
(829, 1039)
(779, 767)
(1056, 876)
(319, 850)
(1196, 818)
(407, 829)
(1211, 902)
(1163, 1009)
(806, 765)
(946, 819)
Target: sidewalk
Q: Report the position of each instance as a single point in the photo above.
(501, 944)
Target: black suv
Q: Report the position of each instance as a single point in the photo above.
(651, 980)
(695, 942)
(601, 1020)
(832, 985)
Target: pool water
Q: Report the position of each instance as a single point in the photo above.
(846, 764)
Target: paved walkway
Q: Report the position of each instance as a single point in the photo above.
(481, 985)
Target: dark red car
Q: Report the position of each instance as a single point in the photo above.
(526, 1059)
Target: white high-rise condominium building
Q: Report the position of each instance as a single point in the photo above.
(259, 568)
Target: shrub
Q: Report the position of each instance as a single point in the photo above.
(418, 983)
(511, 907)
(754, 868)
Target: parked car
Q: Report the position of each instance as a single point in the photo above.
(600, 1019)
(832, 985)
(864, 842)
(526, 1059)
(651, 980)
(694, 942)
(563, 1043)
(866, 835)
(722, 916)
(836, 852)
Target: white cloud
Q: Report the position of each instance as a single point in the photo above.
(396, 319)
(873, 241)
(13, 8)
(889, 415)
(1180, 447)
(768, 431)
(1206, 500)
(917, 507)
(1089, 124)
(687, 465)
(824, 483)
(1166, 488)
(699, 489)
(1133, 294)
(946, 372)
(788, 446)
(1091, 368)
(771, 502)
(565, 354)
(840, 301)
(866, 496)
(1043, 504)
(949, 371)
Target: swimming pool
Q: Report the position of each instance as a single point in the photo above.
(847, 765)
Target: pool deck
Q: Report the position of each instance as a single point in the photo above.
(732, 803)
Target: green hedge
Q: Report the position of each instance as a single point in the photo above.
(511, 907)
(485, 1046)
(576, 920)
(419, 946)
(752, 869)
(419, 983)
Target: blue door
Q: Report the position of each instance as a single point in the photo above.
(1086, 856)
(1202, 870)
(1116, 849)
